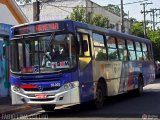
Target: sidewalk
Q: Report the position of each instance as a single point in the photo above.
(6, 106)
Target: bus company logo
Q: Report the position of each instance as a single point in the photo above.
(40, 88)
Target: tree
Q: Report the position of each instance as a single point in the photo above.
(100, 20)
(137, 29)
(78, 14)
(154, 36)
(114, 9)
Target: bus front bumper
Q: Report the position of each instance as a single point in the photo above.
(62, 96)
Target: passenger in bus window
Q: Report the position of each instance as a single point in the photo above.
(50, 55)
(46, 58)
(54, 53)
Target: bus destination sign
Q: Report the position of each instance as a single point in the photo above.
(47, 27)
(40, 27)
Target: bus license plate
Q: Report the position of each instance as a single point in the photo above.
(41, 96)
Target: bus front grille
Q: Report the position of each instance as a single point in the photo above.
(47, 99)
(43, 79)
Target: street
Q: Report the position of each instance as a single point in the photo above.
(122, 107)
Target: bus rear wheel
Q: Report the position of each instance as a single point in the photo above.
(99, 101)
(48, 107)
(139, 90)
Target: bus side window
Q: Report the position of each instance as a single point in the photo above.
(150, 54)
(83, 40)
(123, 55)
(131, 50)
(145, 52)
(138, 51)
(111, 48)
(99, 48)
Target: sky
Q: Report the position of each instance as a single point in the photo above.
(134, 9)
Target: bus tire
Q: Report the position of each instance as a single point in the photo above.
(100, 93)
(48, 107)
(139, 90)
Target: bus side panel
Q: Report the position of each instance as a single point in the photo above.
(86, 83)
(148, 72)
(122, 76)
(110, 72)
(134, 70)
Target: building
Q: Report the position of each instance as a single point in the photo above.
(10, 14)
(59, 9)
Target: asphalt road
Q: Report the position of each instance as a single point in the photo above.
(121, 107)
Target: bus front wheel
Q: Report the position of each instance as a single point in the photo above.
(48, 107)
(99, 101)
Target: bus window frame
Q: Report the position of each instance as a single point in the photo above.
(139, 51)
(124, 49)
(103, 47)
(80, 34)
(134, 49)
(107, 48)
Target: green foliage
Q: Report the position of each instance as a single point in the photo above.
(114, 9)
(78, 14)
(137, 29)
(100, 20)
(154, 36)
(101, 56)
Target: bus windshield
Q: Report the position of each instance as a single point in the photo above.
(44, 54)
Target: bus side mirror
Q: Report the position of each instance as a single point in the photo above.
(85, 46)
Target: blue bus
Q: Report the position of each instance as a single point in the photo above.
(65, 62)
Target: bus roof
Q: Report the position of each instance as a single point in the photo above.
(112, 32)
(94, 28)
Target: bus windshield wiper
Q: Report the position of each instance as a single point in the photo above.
(52, 38)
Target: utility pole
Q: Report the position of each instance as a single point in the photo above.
(153, 14)
(36, 10)
(144, 15)
(86, 11)
(122, 18)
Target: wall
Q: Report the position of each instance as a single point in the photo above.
(59, 10)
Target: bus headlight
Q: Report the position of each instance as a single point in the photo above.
(15, 88)
(71, 85)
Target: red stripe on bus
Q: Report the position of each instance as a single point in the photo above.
(27, 86)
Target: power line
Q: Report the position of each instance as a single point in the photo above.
(59, 8)
(133, 2)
